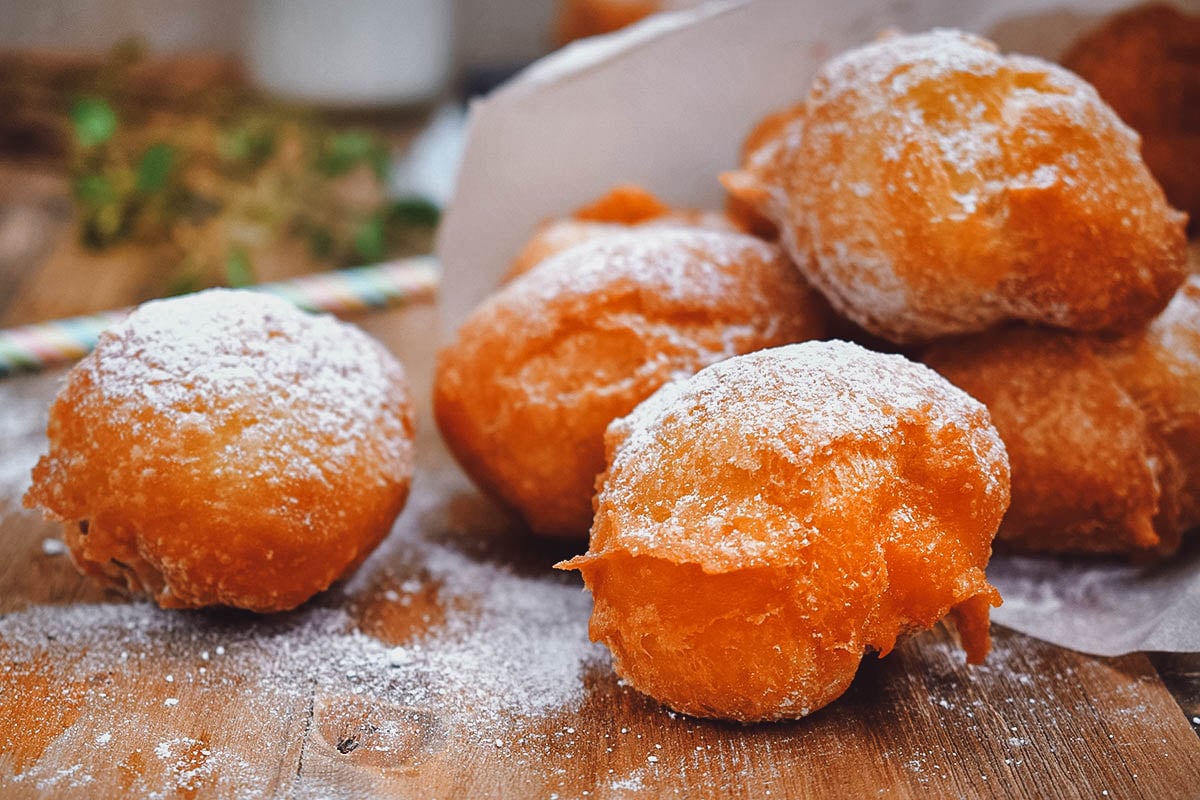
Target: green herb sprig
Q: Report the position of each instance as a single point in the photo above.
(220, 187)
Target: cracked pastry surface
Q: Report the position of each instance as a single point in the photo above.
(764, 523)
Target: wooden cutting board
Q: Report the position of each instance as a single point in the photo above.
(455, 664)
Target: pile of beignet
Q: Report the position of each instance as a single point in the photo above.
(932, 187)
(764, 509)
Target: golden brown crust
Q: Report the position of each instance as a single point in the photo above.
(622, 207)
(1160, 369)
(1088, 471)
(765, 522)
(1103, 434)
(538, 371)
(1143, 63)
(554, 236)
(225, 449)
(934, 187)
(624, 204)
(751, 188)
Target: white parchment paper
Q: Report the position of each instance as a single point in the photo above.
(666, 104)
(1102, 607)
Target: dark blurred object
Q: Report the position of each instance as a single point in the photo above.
(1146, 63)
(581, 18)
(480, 81)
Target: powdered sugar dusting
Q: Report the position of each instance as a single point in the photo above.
(832, 392)
(887, 61)
(836, 388)
(906, 191)
(882, 76)
(1177, 329)
(212, 358)
(505, 651)
(674, 262)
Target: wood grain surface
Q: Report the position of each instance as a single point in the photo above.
(101, 696)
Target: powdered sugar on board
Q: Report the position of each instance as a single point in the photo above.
(435, 637)
(486, 642)
(518, 647)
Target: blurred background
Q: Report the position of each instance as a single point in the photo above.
(152, 147)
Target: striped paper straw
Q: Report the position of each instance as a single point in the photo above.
(34, 347)
(360, 288)
(45, 344)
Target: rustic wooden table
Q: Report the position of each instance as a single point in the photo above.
(455, 664)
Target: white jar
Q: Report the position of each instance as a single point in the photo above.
(351, 52)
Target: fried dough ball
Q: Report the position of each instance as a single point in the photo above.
(554, 236)
(537, 372)
(624, 206)
(226, 448)
(755, 187)
(1087, 470)
(1103, 436)
(766, 522)
(933, 186)
(1160, 368)
(1143, 63)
